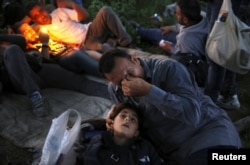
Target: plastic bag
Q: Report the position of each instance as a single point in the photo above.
(58, 146)
(228, 42)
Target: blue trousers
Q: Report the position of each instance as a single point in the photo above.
(153, 35)
(26, 81)
(219, 80)
(80, 62)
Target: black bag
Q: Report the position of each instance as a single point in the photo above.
(198, 66)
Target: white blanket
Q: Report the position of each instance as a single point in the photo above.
(20, 126)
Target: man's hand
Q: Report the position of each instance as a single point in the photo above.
(134, 86)
(165, 30)
(109, 122)
(166, 46)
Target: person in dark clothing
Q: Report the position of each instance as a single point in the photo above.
(221, 84)
(185, 41)
(122, 143)
(178, 118)
(29, 78)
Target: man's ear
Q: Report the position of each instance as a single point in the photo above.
(186, 20)
(134, 59)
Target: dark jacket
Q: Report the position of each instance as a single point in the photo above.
(103, 150)
(177, 117)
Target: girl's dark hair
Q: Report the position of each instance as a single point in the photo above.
(119, 107)
(107, 61)
(191, 9)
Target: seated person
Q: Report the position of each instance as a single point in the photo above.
(186, 40)
(188, 36)
(122, 143)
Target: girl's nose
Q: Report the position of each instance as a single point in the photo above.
(128, 118)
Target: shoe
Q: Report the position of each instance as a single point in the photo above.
(40, 107)
(135, 25)
(228, 103)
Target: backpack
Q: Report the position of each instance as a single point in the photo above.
(198, 66)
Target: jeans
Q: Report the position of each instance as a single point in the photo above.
(80, 62)
(26, 81)
(106, 21)
(17, 39)
(153, 35)
(219, 80)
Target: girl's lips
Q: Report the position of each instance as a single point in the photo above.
(126, 125)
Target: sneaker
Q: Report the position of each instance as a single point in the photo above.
(40, 107)
(135, 25)
(228, 102)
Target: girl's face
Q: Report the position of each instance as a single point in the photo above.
(126, 124)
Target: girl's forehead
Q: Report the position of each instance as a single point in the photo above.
(129, 111)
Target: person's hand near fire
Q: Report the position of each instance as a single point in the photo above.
(29, 34)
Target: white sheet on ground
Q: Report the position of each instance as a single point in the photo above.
(20, 126)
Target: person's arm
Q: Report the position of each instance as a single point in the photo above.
(44, 39)
(175, 28)
(173, 93)
(176, 97)
(45, 51)
(82, 13)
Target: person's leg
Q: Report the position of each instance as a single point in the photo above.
(80, 62)
(16, 39)
(154, 35)
(24, 79)
(58, 77)
(215, 79)
(228, 98)
(230, 86)
(213, 9)
(216, 73)
(21, 75)
(106, 20)
(243, 12)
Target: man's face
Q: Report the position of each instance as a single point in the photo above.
(179, 16)
(123, 69)
(40, 16)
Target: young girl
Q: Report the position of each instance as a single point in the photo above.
(121, 145)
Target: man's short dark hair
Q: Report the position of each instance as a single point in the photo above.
(107, 61)
(191, 9)
(30, 5)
